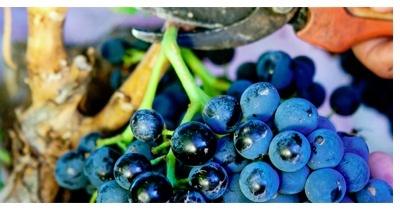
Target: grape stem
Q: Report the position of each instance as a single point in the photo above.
(212, 85)
(93, 198)
(172, 51)
(156, 160)
(155, 150)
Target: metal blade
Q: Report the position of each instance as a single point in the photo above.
(260, 23)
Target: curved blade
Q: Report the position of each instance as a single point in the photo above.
(206, 17)
(260, 23)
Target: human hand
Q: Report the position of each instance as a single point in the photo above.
(377, 54)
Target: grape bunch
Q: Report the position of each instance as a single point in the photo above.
(259, 139)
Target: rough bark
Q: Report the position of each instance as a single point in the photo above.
(52, 124)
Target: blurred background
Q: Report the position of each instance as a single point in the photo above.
(88, 26)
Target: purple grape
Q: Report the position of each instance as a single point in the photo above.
(327, 149)
(354, 144)
(237, 88)
(233, 194)
(304, 70)
(112, 192)
(355, 171)
(228, 157)
(344, 100)
(324, 122)
(87, 143)
(150, 187)
(296, 114)
(146, 125)
(259, 101)
(293, 182)
(187, 196)
(68, 170)
(376, 191)
(325, 185)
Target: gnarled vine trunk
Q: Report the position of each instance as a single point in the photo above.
(52, 123)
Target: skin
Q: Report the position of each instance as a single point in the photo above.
(377, 54)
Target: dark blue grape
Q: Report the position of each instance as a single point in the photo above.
(315, 93)
(354, 144)
(252, 139)
(87, 143)
(325, 185)
(327, 149)
(247, 71)
(210, 179)
(346, 199)
(289, 151)
(228, 157)
(237, 88)
(220, 57)
(193, 143)
(324, 122)
(259, 101)
(282, 198)
(222, 113)
(146, 125)
(113, 50)
(345, 100)
(128, 167)
(187, 196)
(304, 70)
(296, 114)
(259, 182)
(355, 171)
(376, 191)
(143, 148)
(233, 194)
(99, 166)
(274, 67)
(293, 182)
(112, 192)
(68, 170)
(150, 187)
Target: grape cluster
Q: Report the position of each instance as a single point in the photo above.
(262, 140)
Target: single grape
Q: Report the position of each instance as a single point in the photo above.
(354, 144)
(247, 71)
(325, 185)
(293, 182)
(87, 143)
(327, 149)
(193, 143)
(274, 67)
(150, 187)
(112, 192)
(289, 151)
(315, 93)
(99, 166)
(259, 101)
(344, 101)
(222, 113)
(296, 114)
(376, 191)
(113, 50)
(304, 70)
(324, 122)
(228, 157)
(143, 148)
(220, 57)
(128, 167)
(233, 194)
(146, 125)
(210, 179)
(68, 170)
(237, 88)
(187, 196)
(355, 171)
(252, 139)
(259, 182)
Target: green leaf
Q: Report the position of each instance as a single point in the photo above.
(125, 10)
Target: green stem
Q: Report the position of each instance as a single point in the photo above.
(132, 56)
(193, 109)
(156, 160)
(209, 80)
(330, 114)
(172, 51)
(126, 136)
(167, 132)
(171, 162)
(93, 198)
(148, 98)
(157, 149)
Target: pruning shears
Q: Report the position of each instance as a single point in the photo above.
(334, 29)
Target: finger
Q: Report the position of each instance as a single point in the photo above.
(383, 9)
(381, 166)
(377, 56)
